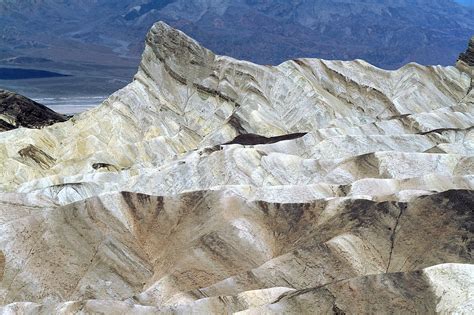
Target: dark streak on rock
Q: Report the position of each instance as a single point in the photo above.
(372, 91)
(107, 166)
(337, 311)
(2, 265)
(128, 198)
(440, 130)
(393, 235)
(44, 160)
(253, 139)
(292, 294)
(235, 123)
(214, 92)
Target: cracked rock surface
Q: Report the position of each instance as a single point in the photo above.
(213, 185)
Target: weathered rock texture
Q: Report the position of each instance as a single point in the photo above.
(468, 56)
(466, 61)
(213, 185)
(19, 111)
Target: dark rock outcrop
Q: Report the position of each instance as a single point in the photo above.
(468, 56)
(253, 139)
(19, 111)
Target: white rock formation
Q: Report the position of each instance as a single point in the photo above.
(213, 185)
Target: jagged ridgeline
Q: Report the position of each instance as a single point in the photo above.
(468, 56)
(214, 185)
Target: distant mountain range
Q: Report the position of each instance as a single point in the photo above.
(99, 42)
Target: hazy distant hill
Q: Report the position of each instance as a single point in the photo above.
(101, 40)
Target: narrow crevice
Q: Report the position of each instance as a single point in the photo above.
(392, 237)
(469, 89)
(472, 85)
(2, 264)
(440, 130)
(291, 294)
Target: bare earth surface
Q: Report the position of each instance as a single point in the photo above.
(214, 185)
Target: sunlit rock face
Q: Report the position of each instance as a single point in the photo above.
(213, 185)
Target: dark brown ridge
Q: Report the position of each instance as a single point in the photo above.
(253, 139)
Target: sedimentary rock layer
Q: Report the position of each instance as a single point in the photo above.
(214, 185)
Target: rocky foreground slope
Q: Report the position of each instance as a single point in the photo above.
(213, 185)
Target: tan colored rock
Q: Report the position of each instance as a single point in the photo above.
(423, 292)
(2, 264)
(172, 252)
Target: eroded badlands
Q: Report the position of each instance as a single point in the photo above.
(213, 185)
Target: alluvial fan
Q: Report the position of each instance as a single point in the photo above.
(214, 185)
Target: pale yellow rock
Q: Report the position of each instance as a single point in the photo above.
(184, 97)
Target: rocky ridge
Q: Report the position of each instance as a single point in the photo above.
(19, 111)
(214, 185)
(100, 45)
(468, 56)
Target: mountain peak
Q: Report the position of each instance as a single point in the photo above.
(466, 59)
(468, 55)
(183, 58)
(170, 41)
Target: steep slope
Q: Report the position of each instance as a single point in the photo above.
(180, 253)
(19, 111)
(184, 97)
(468, 56)
(214, 185)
